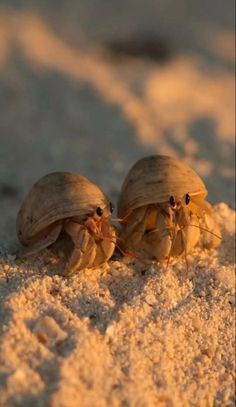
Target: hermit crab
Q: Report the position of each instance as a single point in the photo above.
(68, 209)
(163, 210)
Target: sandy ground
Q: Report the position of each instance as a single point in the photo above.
(129, 333)
(80, 90)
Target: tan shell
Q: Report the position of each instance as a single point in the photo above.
(154, 179)
(56, 196)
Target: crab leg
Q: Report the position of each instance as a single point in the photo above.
(80, 255)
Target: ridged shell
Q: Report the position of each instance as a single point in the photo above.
(154, 179)
(56, 196)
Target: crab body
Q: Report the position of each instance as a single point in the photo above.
(164, 211)
(67, 207)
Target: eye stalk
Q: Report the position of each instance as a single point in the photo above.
(99, 211)
(172, 201)
(111, 206)
(187, 199)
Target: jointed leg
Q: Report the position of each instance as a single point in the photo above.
(105, 247)
(157, 242)
(133, 231)
(186, 237)
(80, 255)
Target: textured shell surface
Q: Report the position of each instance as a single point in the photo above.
(154, 179)
(57, 196)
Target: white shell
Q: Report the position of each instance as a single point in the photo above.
(154, 179)
(57, 196)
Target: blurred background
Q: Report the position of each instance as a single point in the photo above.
(91, 87)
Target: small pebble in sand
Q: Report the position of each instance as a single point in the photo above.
(110, 331)
(150, 299)
(49, 332)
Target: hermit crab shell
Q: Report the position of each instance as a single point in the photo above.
(54, 197)
(154, 179)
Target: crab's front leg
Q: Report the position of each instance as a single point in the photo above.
(187, 235)
(105, 245)
(158, 240)
(133, 229)
(84, 250)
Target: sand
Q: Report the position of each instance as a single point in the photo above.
(129, 333)
(79, 92)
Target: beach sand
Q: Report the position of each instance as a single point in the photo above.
(128, 333)
(74, 97)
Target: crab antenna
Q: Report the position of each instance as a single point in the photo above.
(206, 230)
(119, 219)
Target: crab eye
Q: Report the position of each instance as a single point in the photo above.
(172, 201)
(187, 199)
(111, 207)
(99, 211)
